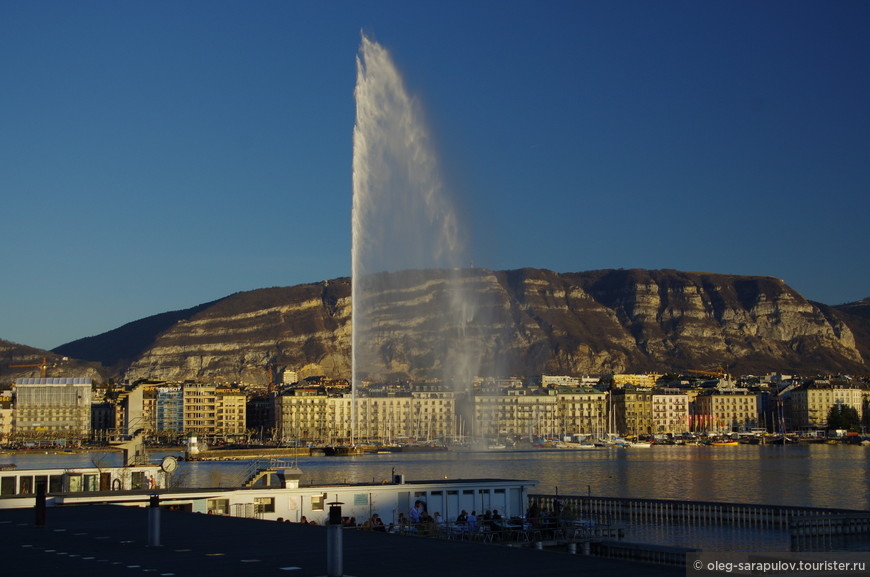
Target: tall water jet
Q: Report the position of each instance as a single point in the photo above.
(403, 221)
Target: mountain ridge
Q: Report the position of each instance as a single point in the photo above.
(528, 321)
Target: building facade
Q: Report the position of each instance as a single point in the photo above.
(810, 403)
(515, 415)
(632, 411)
(726, 411)
(230, 404)
(670, 413)
(52, 408)
(169, 410)
(582, 411)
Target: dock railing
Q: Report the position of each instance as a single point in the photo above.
(810, 528)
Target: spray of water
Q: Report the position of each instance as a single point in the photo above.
(402, 221)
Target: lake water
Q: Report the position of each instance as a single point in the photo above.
(834, 476)
(805, 475)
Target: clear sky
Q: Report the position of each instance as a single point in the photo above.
(158, 155)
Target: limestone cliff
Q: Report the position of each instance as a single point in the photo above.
(524, 322)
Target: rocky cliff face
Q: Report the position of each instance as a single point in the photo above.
(524, 322)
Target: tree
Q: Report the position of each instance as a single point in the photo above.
(843, 417)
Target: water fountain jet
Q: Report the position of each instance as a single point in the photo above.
(402, 221)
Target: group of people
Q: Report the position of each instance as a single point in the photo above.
(418, 519)
(374, 523)
(471, 521)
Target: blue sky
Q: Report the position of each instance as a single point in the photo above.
(158, 155)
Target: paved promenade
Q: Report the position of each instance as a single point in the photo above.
(106, 540)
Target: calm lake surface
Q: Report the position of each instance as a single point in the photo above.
(835, 476)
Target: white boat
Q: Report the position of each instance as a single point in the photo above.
(574, 446)
(626, 444)
(271, 493)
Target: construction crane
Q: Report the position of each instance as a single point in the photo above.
(721, 375)
(711, 373)
(43, 366)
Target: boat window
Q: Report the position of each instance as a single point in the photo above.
(218, 506)
(55, 483)
(7, 485)
(75, 483)
(137, 480)
(90, 483)
(25, 485)
(317, 502)
(264, 504)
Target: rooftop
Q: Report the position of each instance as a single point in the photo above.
(107, 540)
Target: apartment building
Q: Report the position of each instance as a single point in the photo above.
(169, 410)
(670, 413)
(52, 408)
(310, 414)
(515, 414)
(582, 411)
(810, 403)
(632, 412)
(726, 411)
(230, 411)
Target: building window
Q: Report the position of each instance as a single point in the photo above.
(221, 506)
(264, 504)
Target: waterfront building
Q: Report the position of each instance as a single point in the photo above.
(300, 414)
(582, 411)
(514, 414)
(435, 413)
(810, 403)
(309, 414)
(169, 410)
(212, 410)
(200, 401)
(726, 410)
(632, 412)
(230, 410)
(670, 412)
(52, 408)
